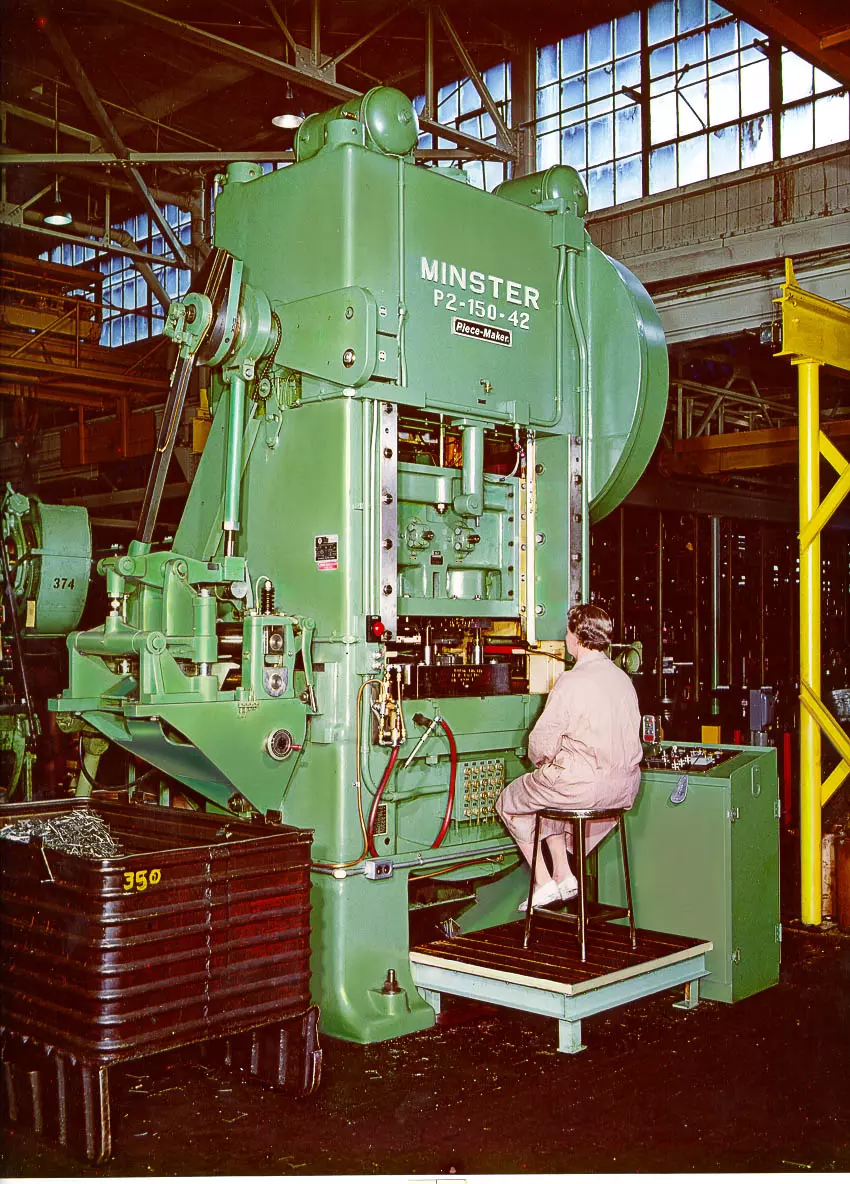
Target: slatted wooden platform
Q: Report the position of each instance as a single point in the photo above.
(549, 978)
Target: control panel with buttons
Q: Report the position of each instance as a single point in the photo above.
(477, 787)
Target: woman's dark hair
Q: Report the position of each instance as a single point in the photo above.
(591, 625)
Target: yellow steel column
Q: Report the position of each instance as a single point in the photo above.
(808, 374)
(815, 333)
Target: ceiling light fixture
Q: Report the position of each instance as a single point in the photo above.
(291, 115)
(58, 214)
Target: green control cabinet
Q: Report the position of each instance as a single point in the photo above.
(708, 866)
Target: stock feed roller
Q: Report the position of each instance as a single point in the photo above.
(424, 394)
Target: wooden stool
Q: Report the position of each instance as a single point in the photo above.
(579, 820)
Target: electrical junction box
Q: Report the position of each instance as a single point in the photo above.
(378, 869)
(708, 865)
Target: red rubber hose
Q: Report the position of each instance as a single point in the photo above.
(450, 804)
(379, 793)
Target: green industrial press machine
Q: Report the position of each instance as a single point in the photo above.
(423, 396)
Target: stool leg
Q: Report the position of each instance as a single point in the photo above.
(622, 825)
(526, 937)
(579, 841)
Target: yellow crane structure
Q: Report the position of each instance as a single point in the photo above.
(815, 333)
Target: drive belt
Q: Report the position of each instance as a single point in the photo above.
(213, 280)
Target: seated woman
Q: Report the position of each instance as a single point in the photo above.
(586, 752)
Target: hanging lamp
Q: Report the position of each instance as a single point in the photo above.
(58, 214)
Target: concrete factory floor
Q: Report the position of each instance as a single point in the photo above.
(759, 1086)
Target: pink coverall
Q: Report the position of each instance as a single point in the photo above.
(585, 749)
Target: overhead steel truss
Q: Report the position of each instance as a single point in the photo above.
(310, 69)
(80, 79)
(315, 77)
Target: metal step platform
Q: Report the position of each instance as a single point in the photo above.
(550, 979)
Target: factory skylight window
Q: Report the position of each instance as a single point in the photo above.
(588, 108)
(135, 313)
(815, 110)
(677, 94)
(709, 86)
(459, 106)
(131, 312)
(69, 254)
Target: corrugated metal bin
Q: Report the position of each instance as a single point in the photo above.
(201, 929)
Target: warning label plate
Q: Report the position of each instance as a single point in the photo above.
(326, 551)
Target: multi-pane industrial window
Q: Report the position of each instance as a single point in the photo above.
(815, 111)
(130, 311)
(135, 313)
(69, 254)
(459, 106)
(711, 106)
(588, 112)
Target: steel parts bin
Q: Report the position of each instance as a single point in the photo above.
(199, 929)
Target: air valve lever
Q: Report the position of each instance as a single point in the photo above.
(420, 720)
(308, 628)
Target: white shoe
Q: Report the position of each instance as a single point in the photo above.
(547, 894)
(568, 888)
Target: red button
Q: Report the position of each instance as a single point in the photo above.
(378, 628)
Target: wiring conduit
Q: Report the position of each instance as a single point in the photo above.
(376, 801)
(358, 785)
(450, 804)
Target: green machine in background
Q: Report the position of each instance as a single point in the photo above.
(423, 393)
(47, 557)
(46, 560)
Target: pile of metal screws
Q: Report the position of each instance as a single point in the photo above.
(80, 832)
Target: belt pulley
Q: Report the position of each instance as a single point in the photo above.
(214, 282)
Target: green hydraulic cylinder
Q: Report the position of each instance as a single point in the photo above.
(471, 501)
(233, 477)
(117, 640)
(385, 115)
(561, 182)
(205, 636)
